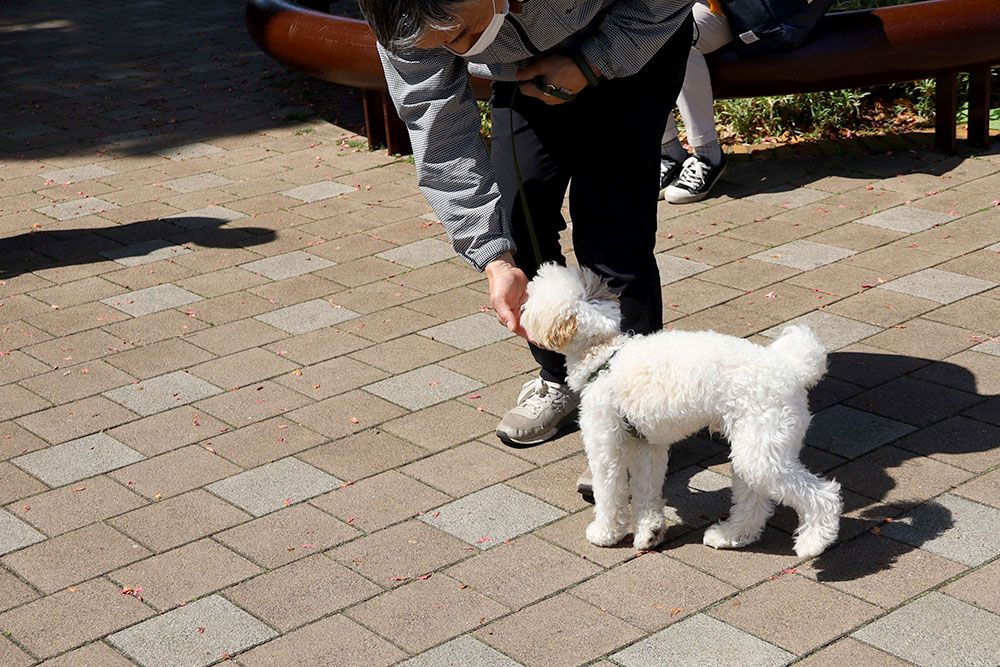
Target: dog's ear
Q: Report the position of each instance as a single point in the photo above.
(558, 335)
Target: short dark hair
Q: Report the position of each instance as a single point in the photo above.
(398, 24)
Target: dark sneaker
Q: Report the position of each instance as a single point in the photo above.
(541, 409)
(669, 171)
(696, 179)
(585, 484)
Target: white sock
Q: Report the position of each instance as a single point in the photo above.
(673, 150)
(711, 151)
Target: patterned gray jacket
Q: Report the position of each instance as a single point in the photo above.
(430, 89)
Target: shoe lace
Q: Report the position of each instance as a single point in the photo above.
(693, 174)
(538, 394)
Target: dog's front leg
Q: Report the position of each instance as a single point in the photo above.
(647, 468)
(608, 467)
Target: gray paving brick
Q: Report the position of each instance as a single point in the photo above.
(695, 496)
(77, 208)
(15, 534)
(938, 285)
(460, 652)
(784, 198)
(151, 300)
(77, 459)
(950, 526)
(307, 316)
(702, 640)
(673, 268)
(194, 635)
(196, 183)
(850, 433)
(163, 392)
(273, 486)
(288, 265)
(204, 217)
(189, 151)
(469, 332)
(488, 517)
(937, 631)
(146, 252)
(989, 347)
(27, 131)
(420, 253)
(905, 219)
(423, 387)
(804, 255)
(318, 191)
(84, 172)
(834, 331)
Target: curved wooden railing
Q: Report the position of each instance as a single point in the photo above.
(939, 39)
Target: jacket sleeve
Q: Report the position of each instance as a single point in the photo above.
(630, 32)
(432, 95)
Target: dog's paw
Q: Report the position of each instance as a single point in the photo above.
(648, 536)
(723, 536)
(603, 535)
(811, 543)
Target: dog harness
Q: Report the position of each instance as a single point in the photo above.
(628, 425)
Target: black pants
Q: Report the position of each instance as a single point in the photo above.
(606, 145)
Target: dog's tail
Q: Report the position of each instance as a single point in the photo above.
(800, 346)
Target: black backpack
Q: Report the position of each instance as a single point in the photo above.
(768, 26)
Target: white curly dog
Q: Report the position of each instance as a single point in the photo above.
(640, 394)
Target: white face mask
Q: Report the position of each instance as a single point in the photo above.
(491, 32)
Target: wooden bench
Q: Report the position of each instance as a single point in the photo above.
(938, 39)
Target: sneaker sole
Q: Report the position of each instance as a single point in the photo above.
(511, 441)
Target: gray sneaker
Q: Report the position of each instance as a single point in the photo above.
(542, 407)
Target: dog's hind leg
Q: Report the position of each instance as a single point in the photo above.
(747, 517)
(647, 468)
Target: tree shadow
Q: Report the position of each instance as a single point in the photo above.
(129, 245)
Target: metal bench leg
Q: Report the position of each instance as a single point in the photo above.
(979, 106)
(383, 125)
(945, 108)
(374, 126)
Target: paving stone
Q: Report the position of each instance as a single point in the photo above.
(850, 433)
(789, 198)
(83, 172)
(952, 527)
(673, 269)
(464, 650)
(939, 286)
(984, 489)
(740, 567)
(849, 651)
(335, 640)
(794, 613)
(77, 459)
(76, 419)
(189, 151)
(307, 316)
(481, 466)
(243, 368)
(236, 337)
(421, 427)
(468, 332)
(331, 587)
(318, 191)
(145, 252)
(959, 441)
(559, 631)
(906, 219)
(270, 487)
(253, 403)
(804, 255)
(184, 424)
(981, 587)
(175, 638)
(914, 401)
(161, 393)
(331, 377)
(174, 472)
(13, 591)
(937, 630)
(73, 557)
(376, 502)
(151, 300)
(90, 655)
(204, 217)
(178, 520)
(196, 183)
(276, 539)
(288, 265)
(423, 387)
(702, 640)
(488, 517)
(184, 574)
(420, 253)
(360, 455)
(695, 497)
(348, 413)
(833, 331)
(16, 484)
(16, 534)
(56, 623)
(71, 507)
(424, 613)
(263, 442)
(899, 478)
(77, 209)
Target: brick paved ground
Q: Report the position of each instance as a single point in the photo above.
(247, 394)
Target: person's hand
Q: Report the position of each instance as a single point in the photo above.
(557, 70)
(508, 291)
